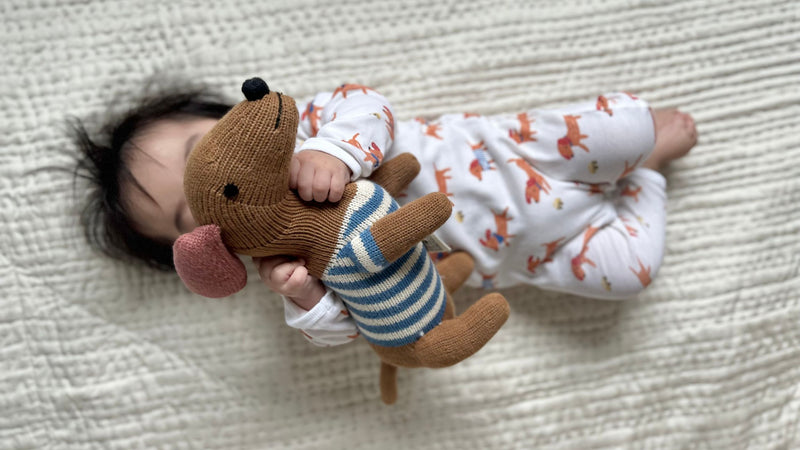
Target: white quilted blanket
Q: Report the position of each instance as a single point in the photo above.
(96, 354)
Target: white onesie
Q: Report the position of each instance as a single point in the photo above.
(551, 198)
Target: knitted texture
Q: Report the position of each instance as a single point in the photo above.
(369, 246)
(214, 180)
(213, 270)
(394, 303)
(238, 178)
(97, 354)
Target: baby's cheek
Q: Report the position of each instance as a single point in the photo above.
(187, 222)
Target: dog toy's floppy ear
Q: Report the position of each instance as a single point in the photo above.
(205, 264)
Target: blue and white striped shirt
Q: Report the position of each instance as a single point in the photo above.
(393, 304)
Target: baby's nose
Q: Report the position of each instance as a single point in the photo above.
(255, 89)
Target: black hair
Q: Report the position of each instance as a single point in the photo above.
(102, 161)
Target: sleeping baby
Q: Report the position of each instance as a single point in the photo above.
(567, 199)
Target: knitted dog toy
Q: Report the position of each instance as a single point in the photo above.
(365, 247)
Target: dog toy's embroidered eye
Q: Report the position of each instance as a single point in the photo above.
(230, 191)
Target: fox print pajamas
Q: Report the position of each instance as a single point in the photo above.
(552, 198)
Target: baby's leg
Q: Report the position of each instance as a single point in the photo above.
(618, 260)
(595, 142)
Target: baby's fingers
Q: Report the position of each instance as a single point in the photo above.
(322, 184)
(281, 274)
(266, 265)
(338, 182)
(294, 170)
(305, 182)
(297, 281)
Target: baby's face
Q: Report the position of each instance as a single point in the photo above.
(159, 209)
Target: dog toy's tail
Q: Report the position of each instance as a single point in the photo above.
(388, 383)
(453, 340)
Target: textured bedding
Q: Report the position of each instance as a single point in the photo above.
(98, 354)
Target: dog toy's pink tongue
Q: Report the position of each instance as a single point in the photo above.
(206, 266)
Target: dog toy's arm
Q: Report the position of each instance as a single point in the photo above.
(396, 233)
(396, 174)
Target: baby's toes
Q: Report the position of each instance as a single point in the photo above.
(690, 127)
(685, 135)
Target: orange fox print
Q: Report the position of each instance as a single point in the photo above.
(389, 122)
(481, 161)
(312, 112)
(633, 97)
(433, 130)
(536, 183)
(501, 236)
(602, 105)
(630, 168)
(480, 146)
(551, 247)
(441, 179)
(374, 155)
(573, 138)
(476, 168)
(525, 134)
(345, 88)
(643, 274)
(633, 232)
(580, 259)
(354, 142)
(628, 192)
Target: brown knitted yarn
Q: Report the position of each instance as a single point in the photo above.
(237, 177)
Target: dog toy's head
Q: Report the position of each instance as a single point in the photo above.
(237, 172)
(243, 162)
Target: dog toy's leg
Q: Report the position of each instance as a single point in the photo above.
(396, 233)
(395, 175)
(454, 340)
(454, 269)
(457, 339)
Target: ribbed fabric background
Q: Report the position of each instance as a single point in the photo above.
(96, 354)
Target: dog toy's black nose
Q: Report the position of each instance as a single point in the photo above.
(255, 89)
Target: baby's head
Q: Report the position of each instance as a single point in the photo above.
(137, 207)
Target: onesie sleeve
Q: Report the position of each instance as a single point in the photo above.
(354, 123)
(326, 324)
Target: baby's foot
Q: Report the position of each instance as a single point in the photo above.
(676, 134)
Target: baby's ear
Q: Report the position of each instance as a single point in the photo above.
(205, 264)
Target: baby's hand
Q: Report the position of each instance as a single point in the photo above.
(290, 278)
(318, 176)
